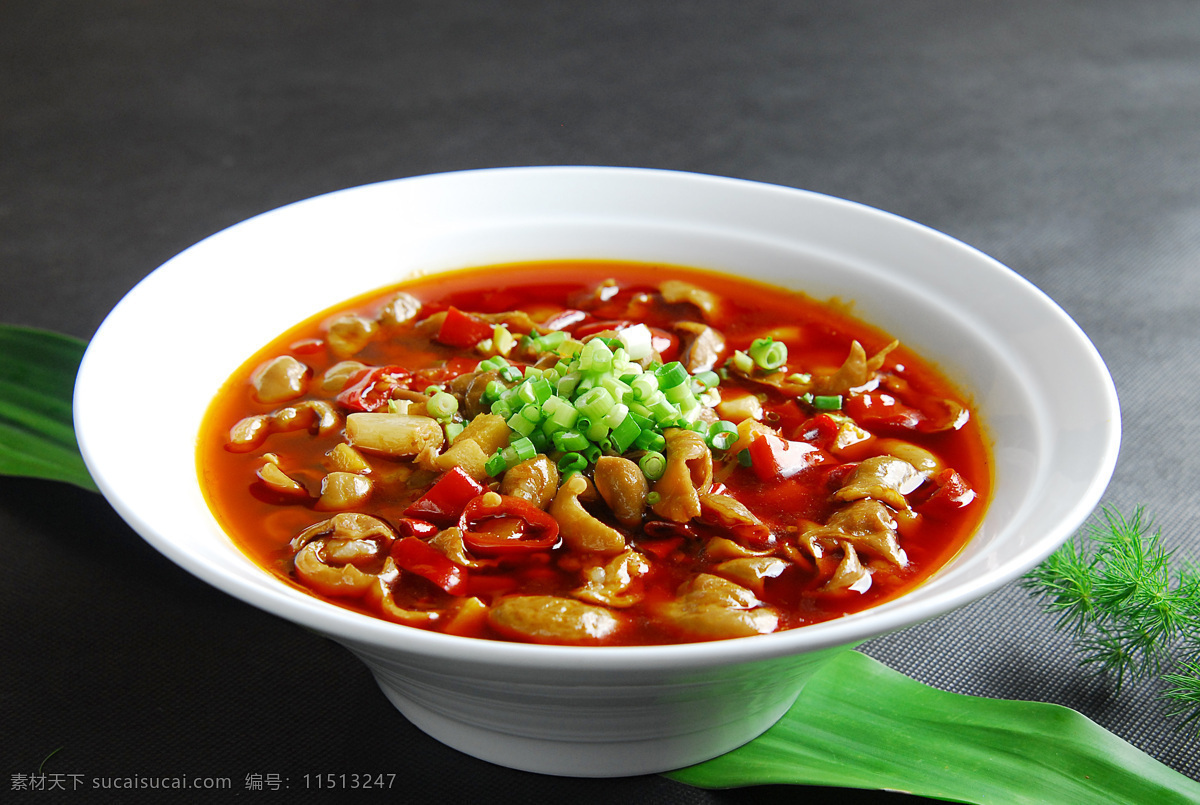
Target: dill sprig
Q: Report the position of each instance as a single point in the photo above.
(1185, 690)
(1112, 590)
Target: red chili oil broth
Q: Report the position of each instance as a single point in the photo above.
(262, 525)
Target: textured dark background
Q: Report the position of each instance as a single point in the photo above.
(1062, 138)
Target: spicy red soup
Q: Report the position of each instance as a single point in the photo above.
(594, 453)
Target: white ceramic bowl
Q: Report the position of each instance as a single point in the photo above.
(1043, 392)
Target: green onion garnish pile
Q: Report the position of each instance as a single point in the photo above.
(599, 399)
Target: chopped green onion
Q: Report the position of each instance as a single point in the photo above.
(502, 408)
(442, 405)
(625, 434)
(569, 441)
(496, 464)
(653, 498)
(524, 449)
(742, 362)
(532, 412)
(722, 426)
(767, 353)
(615, 386)
(615, 415)
(649, 440)
(596, 399)
(644, 385)
(595, 403)
(520, 424)
(671, 375)
(560, 412)
(541, 441)
(492, 364)
(571, 462)
(493, 390)
(721, 435)
(703, 381)
(664, 413)
(597, 431)
(679, 394)
(595, 356)
(830, 402)
(544, 343)
(652, 464)
(567, 384)
(569, 348)
(723, 441)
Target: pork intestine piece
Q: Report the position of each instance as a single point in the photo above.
(688, 473)
(342, 556)
(866, 524)
(579, 529)
(551, 619)
(609, 584)
(708, 607)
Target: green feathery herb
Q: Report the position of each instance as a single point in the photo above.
(1112, 589)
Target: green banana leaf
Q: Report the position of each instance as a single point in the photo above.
(37, 378)
(859, 724)
(856, 724)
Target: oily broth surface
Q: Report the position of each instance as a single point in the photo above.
(821, 335)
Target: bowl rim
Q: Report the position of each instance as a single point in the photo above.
(372, 634)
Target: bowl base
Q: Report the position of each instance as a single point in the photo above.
(566, 758)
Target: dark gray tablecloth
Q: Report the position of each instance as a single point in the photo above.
(1062, 138)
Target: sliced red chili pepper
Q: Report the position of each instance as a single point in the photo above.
(880, 409)
(660, 548)
(443, 502)
(836, 476)
(820, 430)
(417, 556)
(774, 457)
(953, 493)
(876, 408)
(447, 371)
(370, 389)
(512, 525)
(787, 418)
(461, 329)
(412, 527)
